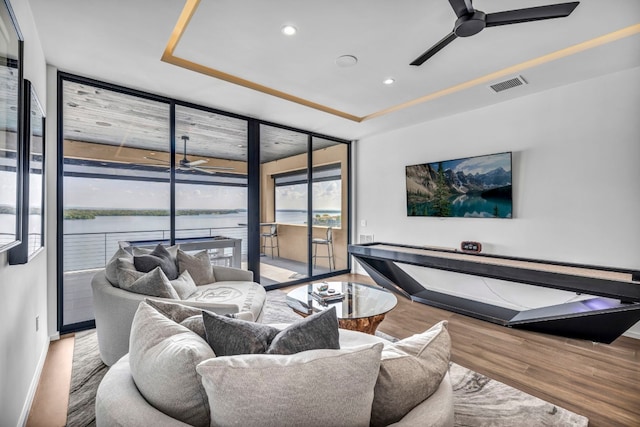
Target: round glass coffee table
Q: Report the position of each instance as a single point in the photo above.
(362, 308)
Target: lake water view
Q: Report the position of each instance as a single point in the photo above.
(111, 224)
(89, 243)
(473, 207)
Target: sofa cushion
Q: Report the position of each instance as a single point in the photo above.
(184, 285)
(228, 336)
(230, 297)
(312, 388)
(111, 268)
(159, 257)
(411, 370)
(163, 356)
(137, 251)
(126, 272)
(154, 284)
(318, 331)
(198, 265)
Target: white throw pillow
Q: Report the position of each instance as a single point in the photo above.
(184, 285)
(311, 388)
(163, 356)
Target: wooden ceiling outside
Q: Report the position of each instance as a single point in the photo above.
(108, 117)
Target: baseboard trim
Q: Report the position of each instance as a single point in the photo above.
(632, 334)
(33, 387)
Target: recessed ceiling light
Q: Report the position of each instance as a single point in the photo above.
(289, 30)
(346, 61)
(389, 81)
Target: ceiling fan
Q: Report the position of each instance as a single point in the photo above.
(471, 21)
(186, 164)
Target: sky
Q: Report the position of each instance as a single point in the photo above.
(7, 188)
(327, 195)
(480, 164)
(107, 193)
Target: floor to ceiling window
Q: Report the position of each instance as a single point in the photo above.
(111, 191)
(330, 199)
(211, 180)
(284, 210)
(138, 167)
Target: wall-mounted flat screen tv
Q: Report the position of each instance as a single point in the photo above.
(474, 187)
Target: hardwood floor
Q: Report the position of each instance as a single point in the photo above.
(599, 381)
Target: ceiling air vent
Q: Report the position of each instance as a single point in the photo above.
(508, 84)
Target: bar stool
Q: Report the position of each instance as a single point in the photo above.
(330, 255)
(271, 235)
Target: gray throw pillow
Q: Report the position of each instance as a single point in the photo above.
(153, 284)
(411, 370)
(136, 251)
(163, 357)
(159, 257)
(228, 336)
(189, 317)
(111, 268)
(126, 272)
(316, 388)
(184, 285)
(198, 266)
(318, 331)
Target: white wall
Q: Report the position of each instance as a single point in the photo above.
(23, 288)
(576, 175)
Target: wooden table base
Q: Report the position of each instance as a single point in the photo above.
(368, 325)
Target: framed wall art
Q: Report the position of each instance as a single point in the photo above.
(471, 187)
(11, 149)
(32, 236)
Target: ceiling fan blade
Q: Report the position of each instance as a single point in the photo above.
(517, 16)
(461, 7)
(203, 170)
(197, 162)
(156, 160)
(219, 168)
(434, 49)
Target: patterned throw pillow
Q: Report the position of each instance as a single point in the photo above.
(159, 257)
(228, 336)
(411, 370)
(198, 266)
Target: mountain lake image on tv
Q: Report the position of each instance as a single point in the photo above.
(473, 187)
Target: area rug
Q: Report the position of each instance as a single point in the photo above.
(479, 401)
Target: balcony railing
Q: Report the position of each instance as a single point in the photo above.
(84, 251)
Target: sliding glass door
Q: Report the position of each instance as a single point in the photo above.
(305, 198)
(330, 201)
(111, 190)
(138, 167)
(211, 183)
(284, 207)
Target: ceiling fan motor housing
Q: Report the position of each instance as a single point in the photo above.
(470, 24)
